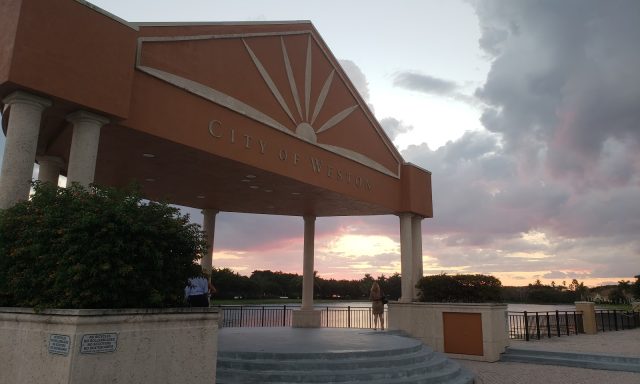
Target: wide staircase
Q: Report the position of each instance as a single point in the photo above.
(414, 364)
(570, 359)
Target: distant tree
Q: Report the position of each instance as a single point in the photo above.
(574, 285)
(635, 289)
(230, 284)
(514, 294)
(621, 293)
(581, 292)
(393, 286)
(460, 288)
(365, 285)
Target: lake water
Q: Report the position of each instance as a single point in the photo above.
(540, 307)
(510, 307)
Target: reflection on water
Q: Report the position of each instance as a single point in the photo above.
(540, 307)
(359, 304)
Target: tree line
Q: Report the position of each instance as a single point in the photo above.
(537, 293)
(272, 285)
(268, 284)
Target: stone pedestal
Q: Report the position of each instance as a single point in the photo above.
(588, 310)
(441, 324)
(98, 346)
(306, 318)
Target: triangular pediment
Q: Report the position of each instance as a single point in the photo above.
(285, 80)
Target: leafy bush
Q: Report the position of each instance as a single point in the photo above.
(95, 248)
(460, 288)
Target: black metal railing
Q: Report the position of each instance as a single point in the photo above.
(537, 325)
(280, 316)
(615, 320)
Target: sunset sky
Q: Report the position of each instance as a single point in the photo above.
(527, 113)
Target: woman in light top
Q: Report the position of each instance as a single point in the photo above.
(198, 290)
(377, 306)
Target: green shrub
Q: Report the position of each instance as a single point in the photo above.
(459, 288)
(95, 248)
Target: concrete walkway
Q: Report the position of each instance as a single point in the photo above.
(617, 343)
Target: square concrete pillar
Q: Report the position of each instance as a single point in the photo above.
(306, 318)
(588, 310)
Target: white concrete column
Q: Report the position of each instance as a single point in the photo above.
(307, 266)
(50, 167)
(84, 146)
(20, 146)
(406, 258)
(209, 228)
(416, 249)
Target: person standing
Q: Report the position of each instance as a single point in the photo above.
(377, 305)
(197, 291)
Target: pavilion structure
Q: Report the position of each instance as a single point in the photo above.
(254, 117)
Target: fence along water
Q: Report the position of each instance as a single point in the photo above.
(523, 325)
(280, 316)
(536, 325)
(614, 320)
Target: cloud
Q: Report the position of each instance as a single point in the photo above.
(357, 77)
(562, 83)
(552, 187)
(424, 83)
(431, 85)
(394, 127)
(555, 275)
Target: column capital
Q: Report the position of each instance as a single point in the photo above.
(404, 214)
(88, 117)
(23, 97)
(309, 218)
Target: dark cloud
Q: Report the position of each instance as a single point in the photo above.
(563, 81)
(432, 85)
(424, 83)
(479, 191)
(554, 184)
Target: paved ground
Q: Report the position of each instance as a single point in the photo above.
(619, 343)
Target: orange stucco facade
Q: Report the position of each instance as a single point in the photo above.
(238, 117)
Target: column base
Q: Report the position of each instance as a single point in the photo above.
(305, 318)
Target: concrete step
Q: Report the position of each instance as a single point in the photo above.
(320, 355)
(373, 367)
(332, 362)
(570, 359)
